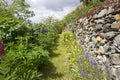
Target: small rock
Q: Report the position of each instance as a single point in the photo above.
(99, 57)
(100, 21)
(102, 13)
(86, 39)
(115, 73)
(117, 43)
(116, 66)
(115, 25)
(99, 39)
(104, 59)
(107, 53)
(110, 35)
(101, 50)
(106, 47)
(110, 10)
(98, 27)
(117, 16)
(115, 59)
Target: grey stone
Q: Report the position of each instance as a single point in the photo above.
(116, 66)
(115, 25)
(117, 43)
(113, 49)
(115, 59)
(102, 13)
(110, 35)
(99, 57)
(95, 16)
(100, 21)
(103, 42)
(110, 10)
(86, 39)
(107, 53)
(104, 59)
(101, 50)
(98, 27)
(115, 73)
(106, 47)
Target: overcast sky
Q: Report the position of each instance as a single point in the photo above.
(55, 8)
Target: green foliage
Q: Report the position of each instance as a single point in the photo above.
(80, 10)
(15, 8)
(11, 28)
(23, 57)
(27, 49)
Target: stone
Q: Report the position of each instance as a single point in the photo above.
(86, 22)
(104, 59)
(110, 10)
(115, 73)
(86, 39)
(110, 35)
(100, 21)
(107, 53)
(115, 59)
(117, 16)
(99, 57)
(103, 41)
(101, 50)
(106, 47)
(102, 13)
(113, 49)
(115, 25)
(98, 27)
(117, 43)
(99, 39)
(108, 25)
(116, 66)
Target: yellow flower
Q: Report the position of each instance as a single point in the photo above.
(71, 35)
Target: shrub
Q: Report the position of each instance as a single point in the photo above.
(20, 63)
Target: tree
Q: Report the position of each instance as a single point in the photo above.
(16, 8)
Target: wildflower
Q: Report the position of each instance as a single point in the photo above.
(44, 30)
(87, 55)
(1, 49)
(71, 35)
(93, 62)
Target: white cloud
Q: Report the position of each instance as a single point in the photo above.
(55, 8)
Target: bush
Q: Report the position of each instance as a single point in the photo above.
(20, 63)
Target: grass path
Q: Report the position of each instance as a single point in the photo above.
(60, 62)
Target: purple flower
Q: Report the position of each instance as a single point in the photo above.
(87, 55)
(44, 30)
(93, 62)
(1, 49)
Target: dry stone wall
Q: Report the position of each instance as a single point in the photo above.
(99, 35)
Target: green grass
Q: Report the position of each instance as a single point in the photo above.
(60, 67)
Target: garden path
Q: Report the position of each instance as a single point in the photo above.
(60, 62)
